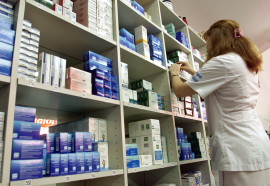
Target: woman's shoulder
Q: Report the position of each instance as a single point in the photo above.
(230, 60)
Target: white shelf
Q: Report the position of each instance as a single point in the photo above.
(46, 96)
(169, 16)
(4, 80)
(198, 59)
(138, 112)
(153, 167)
(129, 19)
(186, 119)
(76, 177)
(172, 44)
(58, 32)
(196, 41)
(192, 161)
(141, 66)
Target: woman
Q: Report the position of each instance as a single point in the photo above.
(239, 146)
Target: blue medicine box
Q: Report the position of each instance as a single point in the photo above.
(138, 7)
(129, 37)
(7, 36)
(179, 132)
(27, 149)
(115, 95)
(131, 149)
(88, 158)
(44, 169)
(80, 162)
(5, 67)
(153, 40)
(72, 159)
(63, 164)
(115, 87)
(96, 161)
(87, 141)
(114, 79)
(6, 51)
(123, 41)
(131, 46)
(91, 56)
(133, 161)
(156, 51)
(25, 169)
(107, 93)
(77, 142)
(88, 66)
(49, 139)
(107, 84)
(97, 73)
(69, 142)
(6, 22)
(24, 114)
(26, 130)
(53, 165)
(61, 142)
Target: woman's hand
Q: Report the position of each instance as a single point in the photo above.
(175, 68)
(186, 67)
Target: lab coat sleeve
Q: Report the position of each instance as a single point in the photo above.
(209, 78)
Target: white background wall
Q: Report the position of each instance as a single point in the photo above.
(263, 104)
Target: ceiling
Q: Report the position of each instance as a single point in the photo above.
(252, 15)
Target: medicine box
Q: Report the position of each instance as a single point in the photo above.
(27, 114)
(45, 68)
(97, 73)
(5, 67)
(140, 35)
(102, 148)
(91, 56)
(2, 116)
(145, 160)
(69, 142)
(25, 169)
(153, 40)
(77, 142)
(143, 49)
(26, 130)
(80, 75)
(27, 149)
(131, 149)
(125, 93)
(143, 84)
(72, 160)
(88, 158)
(102, 130)
(44, 160)
(58, 9)
(7, 36)
(63, 164)
(62, 73)
(124, 71)
(135, 97)
(87, 141)
(129, 37)
(65, 3)
(55, 70)
(96, 162)
(88, 125)
(133, 161)
(80, 86)
(61, 142)
(144, 127)
(66, 13)
(53, 165)
(49, 139)
(80, 162)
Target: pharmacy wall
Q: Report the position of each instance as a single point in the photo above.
(263, 104)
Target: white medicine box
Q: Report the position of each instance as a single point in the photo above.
(144, 127)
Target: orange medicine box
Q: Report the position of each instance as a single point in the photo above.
(80, 86)
(77, 74)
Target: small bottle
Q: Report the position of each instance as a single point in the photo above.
(185, 20)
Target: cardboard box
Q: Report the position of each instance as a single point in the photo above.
(80, 75)
(53, 165)
(61, 142)
(80, 86)
(72, 160)
(80, 162)
(62, 73)
(144, 127)
(27, 149)
(145, 160)
(77, 142)
(26, 130)
(131, 149)
(63, 164)
(27, 114)
(55, 70)
(88, 158)
(140, 35)
(102, 148)
(45, 68)
(25, 169)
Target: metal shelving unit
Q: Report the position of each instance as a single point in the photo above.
(70, 40)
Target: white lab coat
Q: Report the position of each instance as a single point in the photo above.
(230, 90)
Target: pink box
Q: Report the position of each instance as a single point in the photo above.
(80, 86)
(80, 75)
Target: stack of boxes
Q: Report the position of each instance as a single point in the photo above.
(182, 38)
(146, 134)
(2, 125)
(170, 28)
(192, 178)
(28, 58)
(97, 15)
(156, 52)
(7, 36)
(65, 8)
(127, 39)
(177, 106)
(52, 70)
(78, 80)
(98, 129)
(27, 148)
(168, 3)
(104, 84)
(188, 105)
(197, 144)
(161, 105)
(132, 156)
(141, 41)
(184, 148)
